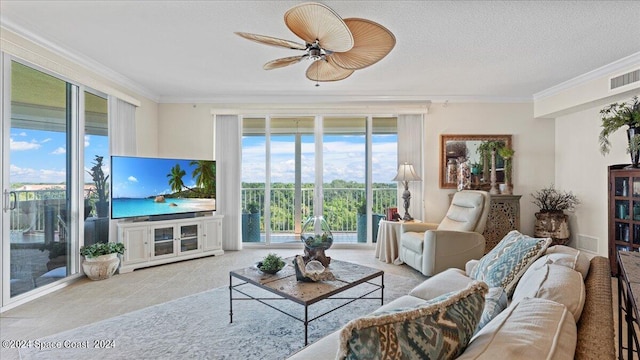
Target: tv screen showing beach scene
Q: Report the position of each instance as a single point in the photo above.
(143, 186)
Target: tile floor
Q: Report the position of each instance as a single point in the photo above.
(85, 301)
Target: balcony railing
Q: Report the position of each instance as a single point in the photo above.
(340, 206)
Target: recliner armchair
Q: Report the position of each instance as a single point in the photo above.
(431, 248)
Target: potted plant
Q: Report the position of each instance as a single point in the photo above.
(251, 223)
(271, 264)
(361, 222)
(100, 182)
(101, 259)
(507, 154)
(616, 116)
(551, 221)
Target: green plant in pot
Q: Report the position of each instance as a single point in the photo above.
(507, 154)
(100, 182)
(616, 116)
(101, 259)
(271, 264)
(551, 221)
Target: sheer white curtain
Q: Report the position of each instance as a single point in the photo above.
(228, 137)
(122, 138)
(410, 151)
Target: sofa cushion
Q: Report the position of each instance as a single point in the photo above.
(567, 256)
(529, 329)
(553, 282)
(495, 301)
(506, 262)
(445, 282)
(438, 329)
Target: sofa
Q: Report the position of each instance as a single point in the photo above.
(555, 305)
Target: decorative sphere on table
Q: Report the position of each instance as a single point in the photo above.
(316, 233)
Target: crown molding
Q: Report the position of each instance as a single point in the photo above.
(82, 60)
(338, 99)
(606, 70)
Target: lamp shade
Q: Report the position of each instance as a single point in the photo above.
(406, 173)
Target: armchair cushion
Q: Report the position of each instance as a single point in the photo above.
(413, 241)
(504, 264)
(464, 212)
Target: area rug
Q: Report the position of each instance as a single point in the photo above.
(197, 327)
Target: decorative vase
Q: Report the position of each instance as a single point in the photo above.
(507, 177)
(452, 169)
(494, 186)
(316, 237)
(635, 155)
(464, 176)
(554, 225)
(101, 267)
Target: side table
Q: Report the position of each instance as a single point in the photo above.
(628, 298)
(388, 243)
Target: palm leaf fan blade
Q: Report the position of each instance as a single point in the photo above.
(282, 62)
(372, 42)
(313, 21)
(327, 71)
(268, 40)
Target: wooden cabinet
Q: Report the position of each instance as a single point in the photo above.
(504, 216)
(151, 243)
(624, 211)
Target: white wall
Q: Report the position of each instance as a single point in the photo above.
(582, 169)
(186, 131)
(533, 142)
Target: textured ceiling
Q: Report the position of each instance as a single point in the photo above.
(186, 50)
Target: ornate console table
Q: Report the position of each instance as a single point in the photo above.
(504, 216)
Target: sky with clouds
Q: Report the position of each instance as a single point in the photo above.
(38, 156)
(343, 158)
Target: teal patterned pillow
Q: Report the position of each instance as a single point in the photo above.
(494, 302)
(504, 264)
(438, 329)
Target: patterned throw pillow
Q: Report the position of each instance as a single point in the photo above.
(504, 264)
(495, 302)
(438, 329)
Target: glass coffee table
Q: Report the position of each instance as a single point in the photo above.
(286, 287)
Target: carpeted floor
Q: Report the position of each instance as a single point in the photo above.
(197, 327)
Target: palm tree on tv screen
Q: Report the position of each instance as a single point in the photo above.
(204, 174)
(175, 178)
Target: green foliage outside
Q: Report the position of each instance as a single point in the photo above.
(342, 202)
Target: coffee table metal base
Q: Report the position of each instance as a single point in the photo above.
(294, 292)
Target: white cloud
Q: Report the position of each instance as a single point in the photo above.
(132, 179)
(22, 134)
(59, 151)
(22, 145)
(19, 174)
(87, 139)
(45, 140)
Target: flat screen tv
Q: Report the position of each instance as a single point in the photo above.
(161, 188)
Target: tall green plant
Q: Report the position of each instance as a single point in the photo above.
(99, 179)
(615, 116)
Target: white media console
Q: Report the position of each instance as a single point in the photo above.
(149, 243)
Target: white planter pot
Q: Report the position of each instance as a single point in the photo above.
(101, 267)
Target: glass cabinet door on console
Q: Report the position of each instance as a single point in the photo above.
(189, 238)
(163, 241)
(624, 211)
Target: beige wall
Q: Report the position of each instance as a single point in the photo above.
(533, 142)
(582, 169)
(186, 131)
(146, 113)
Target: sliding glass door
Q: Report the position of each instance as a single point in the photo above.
(48, 197)
(297, 167)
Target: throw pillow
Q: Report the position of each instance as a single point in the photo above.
(580, 261)
(553, 282)
(495, 302)
(439, 329)
(506, 262)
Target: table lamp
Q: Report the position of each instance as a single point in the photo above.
(406, 173)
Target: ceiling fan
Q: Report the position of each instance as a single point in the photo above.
(337, 47)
